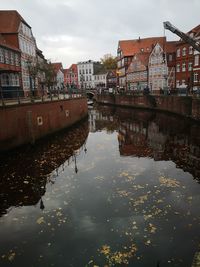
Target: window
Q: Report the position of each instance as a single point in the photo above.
(6, 57)
(16, 82)
(184, 51)
(5, 80)
(196, 60)
(195, 77)
(190, 50)
(178, 52)
(183, 67)
(1, 55)
(11, 58)
(183, 82)
(177, 83)
(170, 57)
(178, 68)
(190, 66)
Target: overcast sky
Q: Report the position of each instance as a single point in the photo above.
(69, 31)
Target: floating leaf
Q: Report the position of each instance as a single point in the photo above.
(40, 220)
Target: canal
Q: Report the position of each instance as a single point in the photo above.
(120, 189)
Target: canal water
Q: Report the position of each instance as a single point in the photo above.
(120, 189)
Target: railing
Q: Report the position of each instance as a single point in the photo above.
(17, 97)
(166, 92)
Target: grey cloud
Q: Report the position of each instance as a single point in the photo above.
(73, 30)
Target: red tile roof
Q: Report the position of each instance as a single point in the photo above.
(195, 30)
(4, 43)
(74, 67)
(10, 21)
(170, 47)
(141, 57)
(57, 66)
(131, 47)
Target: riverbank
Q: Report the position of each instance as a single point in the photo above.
(186, 106)
(23, 124)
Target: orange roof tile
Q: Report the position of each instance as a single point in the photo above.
(10, 21)
(141, 57)
(131, 47)
(170, 47)
(195, 30)
(4, 43)
(57, 66)
(74, 67)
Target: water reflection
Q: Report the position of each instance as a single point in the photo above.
(155, 135)
(121, 199)
(24, 173)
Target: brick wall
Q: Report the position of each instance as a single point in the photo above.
(186, 106)
(26, 123)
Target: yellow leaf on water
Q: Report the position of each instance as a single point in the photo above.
(40, 220)
(11, 256)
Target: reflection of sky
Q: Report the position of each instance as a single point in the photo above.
(96, 206)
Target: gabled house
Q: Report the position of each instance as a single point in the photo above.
(137, 73)
(59, 80)
(162, 67)
(71, 76)
(127, 49)
(17, 32)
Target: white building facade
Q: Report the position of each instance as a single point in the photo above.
(27, 46)
(86, 70)
(158, 70)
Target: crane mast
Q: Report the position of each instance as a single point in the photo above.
(183, 36)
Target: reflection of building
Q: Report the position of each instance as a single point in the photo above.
(157, 141)
(160, 136)
(25, 186)
(133, 139)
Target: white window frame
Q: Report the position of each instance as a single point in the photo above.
(183, 67)
(178, 52)
(196, 60)
(190, 50)
(178, 67)
(184, 51)
(190, 66)
(196, 77)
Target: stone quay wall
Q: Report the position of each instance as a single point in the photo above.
(25, 123)
(182, 105)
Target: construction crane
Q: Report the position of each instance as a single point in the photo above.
(183, 36)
